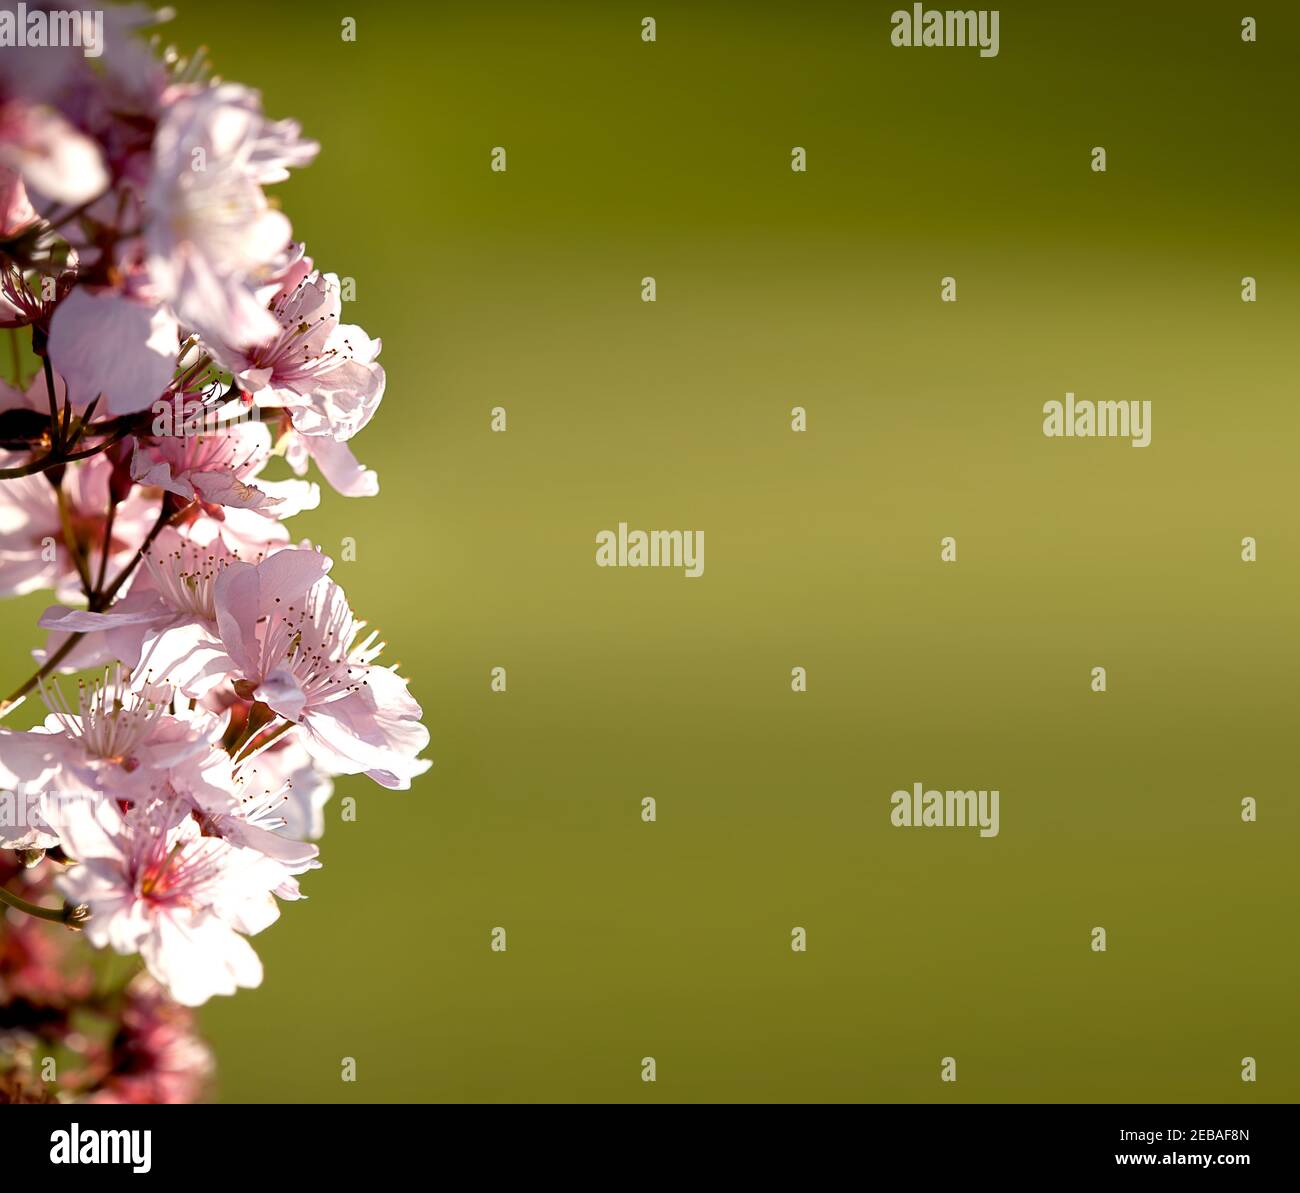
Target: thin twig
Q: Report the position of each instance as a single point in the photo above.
(56, 440)
(70, 539)
(80, 210)
(72, 914)
(54, 458)
(108, 542)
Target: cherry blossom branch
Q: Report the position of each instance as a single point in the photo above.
(108, 318)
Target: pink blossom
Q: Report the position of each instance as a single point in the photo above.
(217, 466)
(211, 237)
(155, 885)
(336, 462)
(322, 371)
(166, 622)
(282, 764)
(241, 806)
(292, 641)
(108, 344)
(114, 742)
(287, 766)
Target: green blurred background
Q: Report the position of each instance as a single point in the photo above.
(778, 289)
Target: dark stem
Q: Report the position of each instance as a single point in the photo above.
(45, 668)
(54, 458)
(70, 539)
(57, 219)
(56, 440)
(164, 519)
(108, 542)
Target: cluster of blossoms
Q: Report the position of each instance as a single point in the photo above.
(172, 345)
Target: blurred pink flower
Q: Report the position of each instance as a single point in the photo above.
(55, 160)
(211, 236)
(156, 1058)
